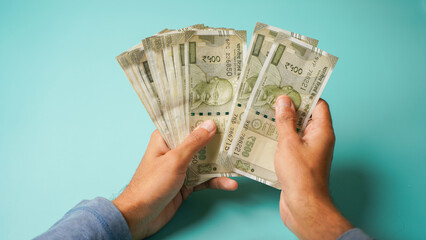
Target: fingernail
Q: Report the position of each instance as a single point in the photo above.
(284, 102)
(209, 125)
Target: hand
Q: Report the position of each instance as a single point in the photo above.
(156, 190)
(303, 166)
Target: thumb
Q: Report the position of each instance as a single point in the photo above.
(193, 143)
(285, 115)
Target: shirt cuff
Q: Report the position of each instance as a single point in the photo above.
(108, 215)
(354, 234)
(90, 219)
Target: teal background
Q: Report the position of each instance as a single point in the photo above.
(72, 128)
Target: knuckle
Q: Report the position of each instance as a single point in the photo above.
(329, 132)
(292, 140)
(325, 103)
(284, 118)
(332, 136)
(291, 117)
(193, 138)
(286, 139)
(196, 137)
(155, 133)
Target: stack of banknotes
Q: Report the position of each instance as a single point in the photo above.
(184, 77)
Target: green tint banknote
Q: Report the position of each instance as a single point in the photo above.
(213, 65)
(132, 63)
(261, 42)
(293, 68)
(186, 76)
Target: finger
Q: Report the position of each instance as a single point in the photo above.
(202, 186)
(321, 127)
(285, 115)
(186, 191)
(322, 112)
(222, 183)
(193, 143)
(157, 145)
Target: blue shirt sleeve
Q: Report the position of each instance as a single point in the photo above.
(100, 219)
(90, 219)
(354, 234)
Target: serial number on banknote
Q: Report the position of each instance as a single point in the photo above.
(228, 58)
(239, 144)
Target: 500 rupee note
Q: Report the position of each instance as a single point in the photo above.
(132, 73)
(261, 42)
(293, 68)
(213, 65)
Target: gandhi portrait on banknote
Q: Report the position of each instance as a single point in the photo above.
(270, 93)
(248, 87)
(214, 92)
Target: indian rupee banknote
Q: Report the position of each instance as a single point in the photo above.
(293, 68)
(173, 52)
(159, 53)
(186, 76)
(174, 83)
(261, 42)
(153, 47)
(213, 64)
(139, 62)
(132, 71)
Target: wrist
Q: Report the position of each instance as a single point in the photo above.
(318, 218)
(136, 214)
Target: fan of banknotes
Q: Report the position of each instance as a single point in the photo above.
(184, 77)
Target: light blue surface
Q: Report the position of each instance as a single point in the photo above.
(72, 128)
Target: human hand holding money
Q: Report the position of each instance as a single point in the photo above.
(261, 103)
(156, 190)
(186, 76)
(302, 164)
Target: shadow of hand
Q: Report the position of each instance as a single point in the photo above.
(200, 204)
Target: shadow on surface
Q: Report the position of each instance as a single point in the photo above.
(350, 188)
(199, 204)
